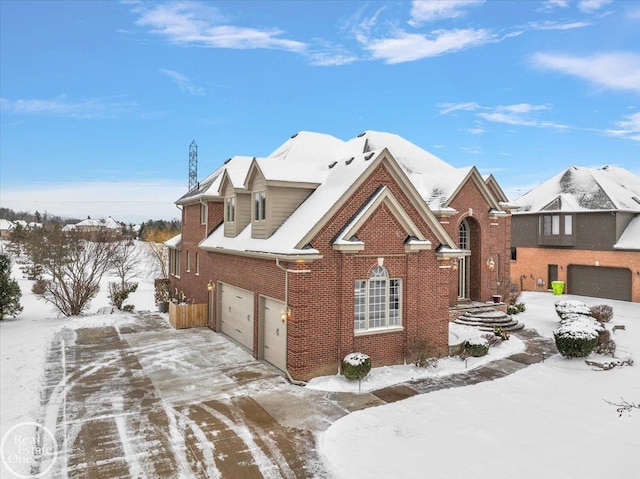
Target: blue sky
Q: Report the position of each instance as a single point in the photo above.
(100, 100)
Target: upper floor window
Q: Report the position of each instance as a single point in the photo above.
(230, 210)
(551, 225)
(203, 214)
(568, 224)
(377, 301)
(259, 205)
(197, 263)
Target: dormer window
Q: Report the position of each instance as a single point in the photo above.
(230, 209)
(259, 205)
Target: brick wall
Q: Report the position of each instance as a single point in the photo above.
(532, 263)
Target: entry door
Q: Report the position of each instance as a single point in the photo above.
(552, 274)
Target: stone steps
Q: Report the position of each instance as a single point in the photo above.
(486, 320)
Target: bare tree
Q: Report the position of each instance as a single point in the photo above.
(160, 257)
(125, 261)
(72, 269)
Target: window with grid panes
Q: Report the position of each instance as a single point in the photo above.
(377, 301)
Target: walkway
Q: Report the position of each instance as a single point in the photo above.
(144, 400)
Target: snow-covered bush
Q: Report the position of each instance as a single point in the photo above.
(566, 306)
(500, 332)
(577, 338)
(571, 317)
(602, 313)
(477, 347)
(425, 354)
(356, 366)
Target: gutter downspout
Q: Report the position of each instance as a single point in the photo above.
(286, 305)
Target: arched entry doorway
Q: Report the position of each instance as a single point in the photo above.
(468, 266)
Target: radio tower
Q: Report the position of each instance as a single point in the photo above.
(193, 165)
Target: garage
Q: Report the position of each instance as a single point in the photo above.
(274, 333)
(599, 281)
(236, 314)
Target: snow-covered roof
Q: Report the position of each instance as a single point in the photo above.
(101, 223)
(332, 166)
(585, 189)
(174, 242)
(5, 224)
(630, 238)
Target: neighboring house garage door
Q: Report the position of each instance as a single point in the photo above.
(599, 281)
(274, 331)
(236, 314)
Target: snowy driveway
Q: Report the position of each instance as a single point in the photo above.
(143, 400)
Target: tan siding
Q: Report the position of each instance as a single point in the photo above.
(281, 203)
(243, 211)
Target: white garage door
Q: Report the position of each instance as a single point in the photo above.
(275, 333)
(236, 314)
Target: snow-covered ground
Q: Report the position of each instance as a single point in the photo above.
(24, 341)
(548, 420)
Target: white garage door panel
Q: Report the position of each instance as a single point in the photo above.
(275, 334)
(236, 314)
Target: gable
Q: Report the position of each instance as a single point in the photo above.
(475, 178)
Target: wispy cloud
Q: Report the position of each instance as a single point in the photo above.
(590, 6)
(188, 23)
(520, 114)
(428, 11)
(550, 5)
(613, 70)
(183, 82)
(406, 47)
(629, 128)
(61, 106)
(550, 25)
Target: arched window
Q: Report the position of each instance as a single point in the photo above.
(377, 301)
(463, 235)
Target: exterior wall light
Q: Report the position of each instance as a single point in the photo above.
(285, 314)
(211, 286)
(491, 264)
(454, 264)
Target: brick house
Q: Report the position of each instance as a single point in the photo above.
(327, 247)
(582, 227)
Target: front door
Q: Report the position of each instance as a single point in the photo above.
(552, 274)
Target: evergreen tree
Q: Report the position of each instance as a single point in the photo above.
(9, 290)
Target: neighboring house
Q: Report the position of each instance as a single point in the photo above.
(581, 227)
(327, 247)
(6, 227)
(91, 226)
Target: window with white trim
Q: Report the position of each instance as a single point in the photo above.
(188, 261)
(197, 263)
(203, 214)
(174, 262)
(377, 301)
(259, 205)
(230, 210)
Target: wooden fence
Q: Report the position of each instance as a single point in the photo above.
(188, 315)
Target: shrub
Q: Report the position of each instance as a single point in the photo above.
(571, 317)
(577, 338)
(356, 366)
(605, 344)
(602, 313)
(513, 310)
(477, 346)
(500, 332)
(492, 339)
(521, 307)
(118, 295)
(425, 354)
(565, 306)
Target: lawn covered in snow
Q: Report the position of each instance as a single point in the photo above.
(24, 340)
(547, 420)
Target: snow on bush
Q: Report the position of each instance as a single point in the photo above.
(576, 338)
(477, 346)
(568, 318)
(566, 306)
(356, 365)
